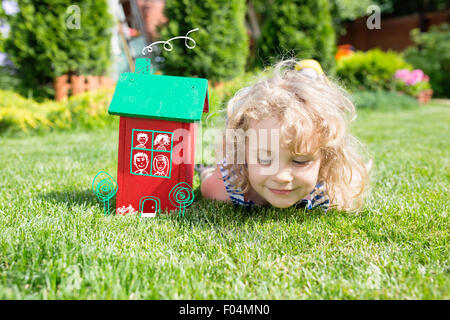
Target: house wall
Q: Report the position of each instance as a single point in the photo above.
(133, 187)
(394, 33)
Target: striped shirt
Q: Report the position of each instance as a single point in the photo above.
(318, 197)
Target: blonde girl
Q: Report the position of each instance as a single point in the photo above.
(297, 150)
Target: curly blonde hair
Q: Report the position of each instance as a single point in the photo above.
(314, 115)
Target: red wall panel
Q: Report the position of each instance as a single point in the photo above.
(154, 156)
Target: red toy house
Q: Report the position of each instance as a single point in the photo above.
(157, 133)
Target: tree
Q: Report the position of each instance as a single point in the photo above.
(393, 8)
(347, 10)
(431, 53)
(301, 28)
(221, 41)
(48, 39)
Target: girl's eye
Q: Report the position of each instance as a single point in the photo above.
(301, 163)
(264, 162)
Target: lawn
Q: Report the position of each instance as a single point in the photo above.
(57, 244)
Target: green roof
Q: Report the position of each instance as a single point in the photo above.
(162, 97)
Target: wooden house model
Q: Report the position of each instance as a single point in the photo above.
(157, 133)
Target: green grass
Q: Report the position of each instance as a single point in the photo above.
(56, 244)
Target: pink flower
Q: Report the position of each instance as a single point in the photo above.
(402, 74)
(411, 77)
(415, 76)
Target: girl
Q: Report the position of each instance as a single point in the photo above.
(297, 149)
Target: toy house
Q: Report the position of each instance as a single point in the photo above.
(157, 133)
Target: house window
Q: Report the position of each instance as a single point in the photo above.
(151, 153)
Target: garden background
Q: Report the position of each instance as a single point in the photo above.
(55, 241)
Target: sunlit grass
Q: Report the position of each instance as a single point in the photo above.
(56, 243)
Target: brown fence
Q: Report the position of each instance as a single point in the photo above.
(66, 85)
(394, 33)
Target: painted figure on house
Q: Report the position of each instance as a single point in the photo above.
(162, 141)
(141, 161)
(142, 138)
(161, 164)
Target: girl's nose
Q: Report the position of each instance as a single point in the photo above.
(283, 176)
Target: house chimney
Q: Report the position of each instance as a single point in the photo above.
(142, 66)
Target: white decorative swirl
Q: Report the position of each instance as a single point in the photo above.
(168, 46)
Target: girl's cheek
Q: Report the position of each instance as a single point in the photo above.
(307, 172)
(254, 173)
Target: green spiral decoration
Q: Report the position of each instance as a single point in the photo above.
(105, 188)
(181, 196)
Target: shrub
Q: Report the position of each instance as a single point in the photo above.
(372, 70)
(20, 114)
(41, 45)
(383, 100)
(221, 41)
(86, 110)
(303, 27)
(411, 82)
(343, 11)
(8, 78)
(219, 96)
(432, 54)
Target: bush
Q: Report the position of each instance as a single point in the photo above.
(383, 100)
(432, 54)
(411, 82)
(221, 41)
(303, 26)
(343, 11)
(8, 78)
(20, 114)
(372, 70)
(86, 110)
(219, 96)
(41, 45)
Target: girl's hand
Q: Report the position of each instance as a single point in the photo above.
(212, 186)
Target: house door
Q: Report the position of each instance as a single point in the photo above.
(149, 206)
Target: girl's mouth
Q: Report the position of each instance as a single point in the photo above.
(280, 191)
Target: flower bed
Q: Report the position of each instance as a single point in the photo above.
(414, 83)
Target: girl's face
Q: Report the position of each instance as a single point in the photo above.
(279, 177)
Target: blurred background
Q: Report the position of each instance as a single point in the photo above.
(385, 52)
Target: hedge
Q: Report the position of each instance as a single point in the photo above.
(86, 110)
(371, 70)
(45, 41)
(300, 28)
(221, 42)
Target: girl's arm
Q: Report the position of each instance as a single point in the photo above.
(212, 187)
